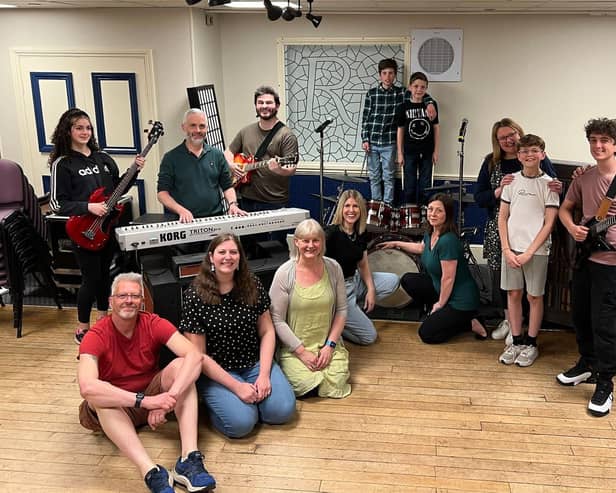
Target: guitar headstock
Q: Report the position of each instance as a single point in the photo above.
(156, 131)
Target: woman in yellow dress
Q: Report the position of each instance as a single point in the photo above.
(309, 308)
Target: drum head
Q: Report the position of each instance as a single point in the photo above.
(396, 262)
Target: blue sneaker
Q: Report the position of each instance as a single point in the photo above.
(158, 480)
(192, 474)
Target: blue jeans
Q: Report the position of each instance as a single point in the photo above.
(359, 328)
(233, 417)
(381, 170)
(412, 163)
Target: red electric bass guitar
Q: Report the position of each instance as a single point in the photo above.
(248, 165)
(92, 232)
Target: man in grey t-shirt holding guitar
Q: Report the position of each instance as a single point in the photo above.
(263, 155)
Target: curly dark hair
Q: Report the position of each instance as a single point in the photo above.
(244, 284)
(601, 126)
(450, 219)
(61, 137)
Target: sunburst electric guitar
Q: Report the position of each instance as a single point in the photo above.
(92, 232)
(248, 165)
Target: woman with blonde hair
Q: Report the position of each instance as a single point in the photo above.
(496, 172)
(347, 244)
(309, 308)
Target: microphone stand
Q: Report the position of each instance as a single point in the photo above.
(320, 130)
(460, 184)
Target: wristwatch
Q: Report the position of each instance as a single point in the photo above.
(138, 399)
(330, 343)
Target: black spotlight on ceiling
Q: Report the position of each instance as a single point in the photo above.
(290, 13)
(211, 3)
(273, 11)
(315, 19)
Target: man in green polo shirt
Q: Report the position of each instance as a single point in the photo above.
(193, 174)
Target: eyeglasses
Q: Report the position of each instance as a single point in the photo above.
(127, 296)
(507, 137)
(530, 151)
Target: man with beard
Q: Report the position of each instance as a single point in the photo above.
(268, 187)
(192, 174)
(123, 388)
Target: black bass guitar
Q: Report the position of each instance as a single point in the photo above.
(595, 240)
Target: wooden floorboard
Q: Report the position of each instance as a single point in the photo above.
(421, 418)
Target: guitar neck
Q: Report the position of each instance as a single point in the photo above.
(257, 165)
(603, 225)
(131, 172)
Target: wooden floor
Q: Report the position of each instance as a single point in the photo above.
(420, 418)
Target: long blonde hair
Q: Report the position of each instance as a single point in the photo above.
(360, 225)
(497, 153)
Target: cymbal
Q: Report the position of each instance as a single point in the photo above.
(445, 186)
(328, 198)
(345, 177)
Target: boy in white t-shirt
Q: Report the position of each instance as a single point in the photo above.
(527, 214)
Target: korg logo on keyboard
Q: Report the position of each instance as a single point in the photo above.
(173, 236)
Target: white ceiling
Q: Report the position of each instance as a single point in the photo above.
(591, 7)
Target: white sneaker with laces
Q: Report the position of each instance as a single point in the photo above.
(502, 330)
(510, 354)
(528, 356)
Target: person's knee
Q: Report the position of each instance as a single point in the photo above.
(534, 300)
(238, 424)
(428, 335)
(282, 412)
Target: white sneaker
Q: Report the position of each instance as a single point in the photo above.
(528, 356)
(502, 330)
(510, 354)
(509, 339)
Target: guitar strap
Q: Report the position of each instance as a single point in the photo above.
(263, 147)
(605, 204)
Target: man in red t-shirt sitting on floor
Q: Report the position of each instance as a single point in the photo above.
(123, 388)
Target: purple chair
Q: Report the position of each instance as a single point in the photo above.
(23, 239)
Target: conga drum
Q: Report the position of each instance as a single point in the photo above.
(396, 262)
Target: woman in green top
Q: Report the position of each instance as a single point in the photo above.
(447, 284)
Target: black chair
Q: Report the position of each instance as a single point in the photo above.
(23, 239)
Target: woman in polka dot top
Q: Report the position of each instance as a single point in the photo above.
(226, 314)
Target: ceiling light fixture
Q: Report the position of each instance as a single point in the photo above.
(315, 19)
(211, 3)
(290, 13)
(273, 11)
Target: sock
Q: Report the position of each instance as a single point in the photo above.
(531, 341)
(518, 340)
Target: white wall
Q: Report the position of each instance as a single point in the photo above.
(165, 31)
(550, 73)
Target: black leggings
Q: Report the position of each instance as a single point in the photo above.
(443, 324)
(95, 280)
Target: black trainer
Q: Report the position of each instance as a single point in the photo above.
(579, 373)
(601, 401)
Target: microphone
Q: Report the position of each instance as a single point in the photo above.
(462, 132)
(323, 125)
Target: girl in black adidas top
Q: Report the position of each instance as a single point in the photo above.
(78, 168)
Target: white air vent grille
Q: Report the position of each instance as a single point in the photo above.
(438, 53)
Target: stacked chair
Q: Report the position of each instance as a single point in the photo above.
(23, 239)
